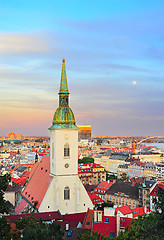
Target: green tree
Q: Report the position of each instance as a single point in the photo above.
(86, 160)
(91, 235)
(104, 204)
(143, 228)
(4, 226)
(4, 229)
(150, 226)
(4, 180)
(29, 228)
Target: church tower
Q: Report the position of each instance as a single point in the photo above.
(54, 183)
(63, 135)
(66, 192)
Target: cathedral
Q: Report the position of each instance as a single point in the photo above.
(54, 183)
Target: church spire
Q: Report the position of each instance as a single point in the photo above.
(63, 93)
(63, 116)
(63, 82)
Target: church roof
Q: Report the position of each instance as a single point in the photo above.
(38, 183)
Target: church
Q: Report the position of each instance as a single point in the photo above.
(54, 183)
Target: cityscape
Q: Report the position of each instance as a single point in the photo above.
(81, 127)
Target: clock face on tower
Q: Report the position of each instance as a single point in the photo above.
(66, 165)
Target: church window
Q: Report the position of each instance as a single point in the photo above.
(66, 150)
(66, 193)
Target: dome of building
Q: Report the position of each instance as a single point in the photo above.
(64, 114)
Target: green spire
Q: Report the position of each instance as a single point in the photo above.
(63, 116)
(63, 83)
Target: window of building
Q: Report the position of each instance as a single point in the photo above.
(113, 198)
(111, 234)
(107, 220)
(66, 150)
(66, 193)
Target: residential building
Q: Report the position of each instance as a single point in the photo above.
(135, 170)
(144, 193)
(160, 170)
(123, 193)
(111, 161)
(91, 173)
(149, 170)
(13, 193)
(106, 222)
(102, 188)
(122, 170)
(154, 194)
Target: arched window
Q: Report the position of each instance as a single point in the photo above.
(66, 193)
(66, 150)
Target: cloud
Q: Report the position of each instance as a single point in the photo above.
(12, 43)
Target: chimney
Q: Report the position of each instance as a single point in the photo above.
(118, 222)
(99, 216)
(145, 209)
(67, 226)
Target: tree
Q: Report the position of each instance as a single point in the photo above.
(91, 235)
(159, 207)
(86, 160)
(104, 204)
(111, 176)
(4, 226)
(29, 228)
(143, 228)
(4, 229)
(150, 226)
(4, 180)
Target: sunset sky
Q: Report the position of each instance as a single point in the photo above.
(114, 51)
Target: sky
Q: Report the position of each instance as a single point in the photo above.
(114, 53)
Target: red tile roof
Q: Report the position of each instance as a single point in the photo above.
(39, 182)
(155, 190)
(20, 181)
(140, 211)
(94, 198)
(104, 186)
(73, 219)
(87, 223)
(124, 210)
(20, 206)
(45, 216)
(105, 228)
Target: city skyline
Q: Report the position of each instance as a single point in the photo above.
(114, 62)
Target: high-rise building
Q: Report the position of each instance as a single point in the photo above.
(85, 132)
(11, 136)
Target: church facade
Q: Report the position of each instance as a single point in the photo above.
(54, 183)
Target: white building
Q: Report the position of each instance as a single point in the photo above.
(54, 183)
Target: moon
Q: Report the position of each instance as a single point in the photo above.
(134, 82)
